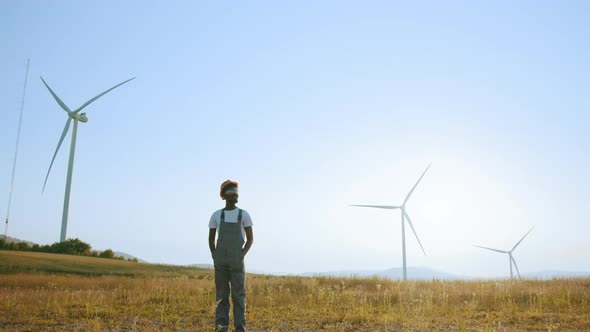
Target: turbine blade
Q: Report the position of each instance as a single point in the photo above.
(517, 243)
(100, 95)
(414, 187)
(61, 103)
(61, 139)
(501, 251)
(413, 230)
(516, 266)
(388, 207)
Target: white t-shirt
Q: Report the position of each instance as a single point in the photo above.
(231, 216)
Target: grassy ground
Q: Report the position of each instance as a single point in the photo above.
(12, 262)
(58, 292)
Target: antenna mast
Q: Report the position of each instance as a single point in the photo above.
(20, 120)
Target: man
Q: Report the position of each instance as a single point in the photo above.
(233, 225)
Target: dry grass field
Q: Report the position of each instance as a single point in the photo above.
(49, 292)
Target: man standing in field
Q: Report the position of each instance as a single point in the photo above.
(233, 225)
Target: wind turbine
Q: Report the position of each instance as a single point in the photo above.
(405, 216)
(77, 117)
(511, 259)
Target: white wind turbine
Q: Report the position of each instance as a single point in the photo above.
(405, 216)
(511, 259)
(76, 116)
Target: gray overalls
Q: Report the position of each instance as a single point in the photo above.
(229, 270)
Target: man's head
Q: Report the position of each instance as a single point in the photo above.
(229, 191)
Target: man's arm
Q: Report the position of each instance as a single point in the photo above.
(249, 240)
(212, 232)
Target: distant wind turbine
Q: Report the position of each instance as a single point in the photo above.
(76, 116)
(511, 259)
(404, 215)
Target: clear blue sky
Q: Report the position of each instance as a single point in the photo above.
(311, 106)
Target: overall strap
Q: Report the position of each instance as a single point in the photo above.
(240, 217)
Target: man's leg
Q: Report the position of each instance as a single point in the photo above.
(222, 279)
(238, 296)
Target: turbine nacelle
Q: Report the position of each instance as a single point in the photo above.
(79, 116)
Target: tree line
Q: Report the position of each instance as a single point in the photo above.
(69, 246)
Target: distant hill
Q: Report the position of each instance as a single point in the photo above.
(128, 256)
(416, 273)
(422, 273)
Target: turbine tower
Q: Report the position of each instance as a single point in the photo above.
(404, 216)
(77, 117)
(511, 259)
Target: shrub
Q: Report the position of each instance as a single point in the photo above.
(107, 254)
